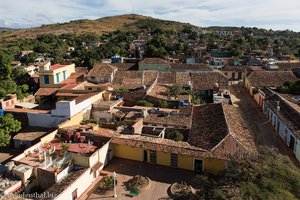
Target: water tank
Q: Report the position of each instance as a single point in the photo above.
(182, 103)
(1, 112)
(118, 97)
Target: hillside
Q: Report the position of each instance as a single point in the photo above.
(98, 26)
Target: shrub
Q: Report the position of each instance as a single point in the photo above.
(106, 182)
(123, 90)
(163, 104)
(145, 103)
(175, 135)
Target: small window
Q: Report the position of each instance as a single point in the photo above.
(64, 75)
(174, 158)
(57, 77)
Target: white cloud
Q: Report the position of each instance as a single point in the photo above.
(275, 14)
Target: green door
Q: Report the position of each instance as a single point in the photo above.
(198, 166)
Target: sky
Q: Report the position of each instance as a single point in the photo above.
(269, 14)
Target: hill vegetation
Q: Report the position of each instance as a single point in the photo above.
(130, 22)
(272, 176)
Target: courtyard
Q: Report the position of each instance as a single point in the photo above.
(161, 178)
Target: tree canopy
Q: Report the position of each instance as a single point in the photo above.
(8, 126)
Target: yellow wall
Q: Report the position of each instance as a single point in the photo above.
(131, 153)
(69, 69)
(163, 158)
(75, 120)
(183, 162)
(214, 165)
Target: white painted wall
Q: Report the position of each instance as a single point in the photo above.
(81, 184)
(45, 120)
(70, 108)
(103, 153)
(64, 173)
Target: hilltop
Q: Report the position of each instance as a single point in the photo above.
(98, 26)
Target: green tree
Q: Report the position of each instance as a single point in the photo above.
(176, 89)
(5, 66)
(8, 126)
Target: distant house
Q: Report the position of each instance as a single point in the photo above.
(190, 61)
(53, 75)
(102, 73)
(206, 83)
(162, 92)
(234, 72)
(260, 79)
(223, 33)
(29, 136)
(283, 111)
(16, 63)
(153, 64)
(117, 59)
(200, 67)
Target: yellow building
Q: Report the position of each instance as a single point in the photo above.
(50, 76)
(187, 162)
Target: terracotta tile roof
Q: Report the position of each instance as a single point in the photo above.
(31, 133)
(69, 86)
(82, 148)
(209, 126)
(125, 66)
(186, 110)
(238, 128)
(176, 121)
(24, 110)
(159, 92)
(84, 97)
(270, 78)
(153, 61)
(234, 68)
(183, 78)
(46, 91)
(75, 78)
(101, 70)
(212, 123)
(207, 80)
(149, 77)
(182, 66)
(161, 145)
(167, 78)
(57, 66)
(288, 66)
(134, 79)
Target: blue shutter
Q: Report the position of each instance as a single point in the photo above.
(57, 77)
(64, 75)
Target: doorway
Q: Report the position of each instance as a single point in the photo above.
(145, 156)
(198, 166)
(292, 142)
